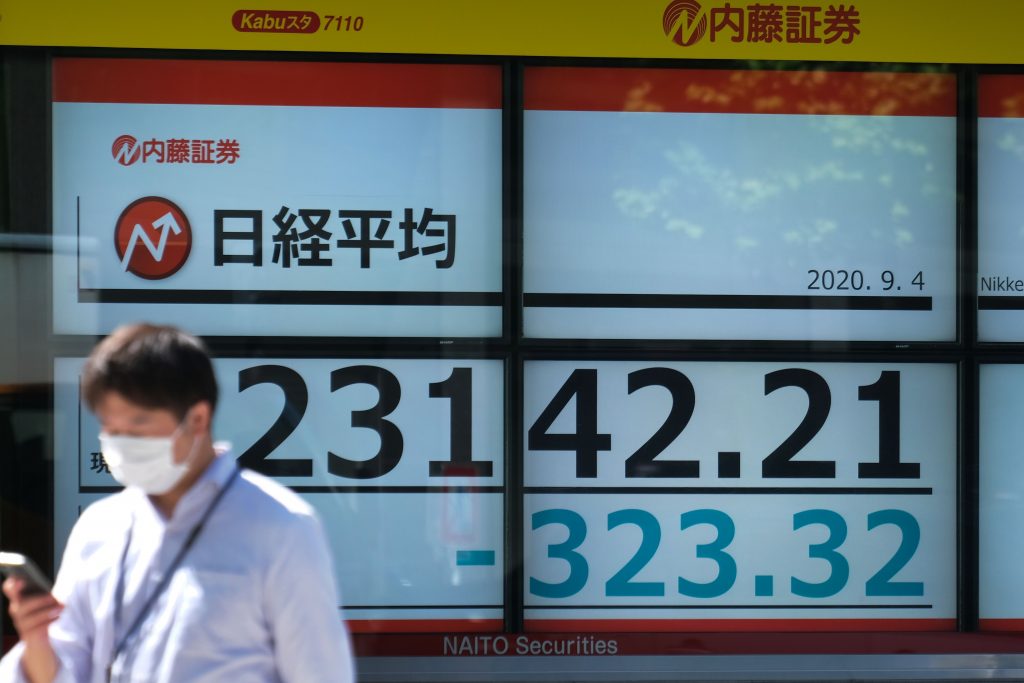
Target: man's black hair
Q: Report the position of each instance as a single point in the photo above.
(153, 366)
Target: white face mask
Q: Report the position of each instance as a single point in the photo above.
(146, 462)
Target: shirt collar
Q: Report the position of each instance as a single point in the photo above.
(213, 478)
(220, 468)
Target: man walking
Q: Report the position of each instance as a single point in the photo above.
(197, 571)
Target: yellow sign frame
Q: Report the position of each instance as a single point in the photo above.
(983, 31)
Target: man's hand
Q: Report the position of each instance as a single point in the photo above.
(32, 616)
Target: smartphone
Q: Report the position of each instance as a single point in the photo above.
(16, 564)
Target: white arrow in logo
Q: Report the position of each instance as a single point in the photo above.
(139, 234)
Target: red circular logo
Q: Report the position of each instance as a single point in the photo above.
(681, 24)
(153, 238)
(126, 150)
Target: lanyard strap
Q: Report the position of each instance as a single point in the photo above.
(119, 594)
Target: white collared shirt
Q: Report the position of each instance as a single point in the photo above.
(253, 600)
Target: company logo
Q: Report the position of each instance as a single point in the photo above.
(686, 22)
(153, 238)
(275, 21)
(126, 150)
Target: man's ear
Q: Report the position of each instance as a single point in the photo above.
(200, 417)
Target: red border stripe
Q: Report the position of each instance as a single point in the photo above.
(329, 84)
(735, 625)
(1001, 625)
(433, 645)
(740, 92)
(1001, 96)
(424, 625)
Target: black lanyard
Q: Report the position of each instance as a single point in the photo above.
(119, 594)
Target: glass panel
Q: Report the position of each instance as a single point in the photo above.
(739, 496)
(278, 198)
(1001, 496)
(671, 204)
(402, 458)
(1000, 206)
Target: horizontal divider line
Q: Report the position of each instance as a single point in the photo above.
(1000, 303)
(723, 607)
(284, 297)
(424, 607)
(780, 627)
(727, 301)
(759, 490)
(455, 488)
(350, 489)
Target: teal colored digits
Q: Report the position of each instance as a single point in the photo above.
(566, 550)
(826, 550)
(881, 583)
(650, 538)
(713, 551)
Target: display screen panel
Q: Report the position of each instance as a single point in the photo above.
(1000, 208)
(739, 496)
(278, 198)
(402, 458)
(741, 205)
(1000, 496)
